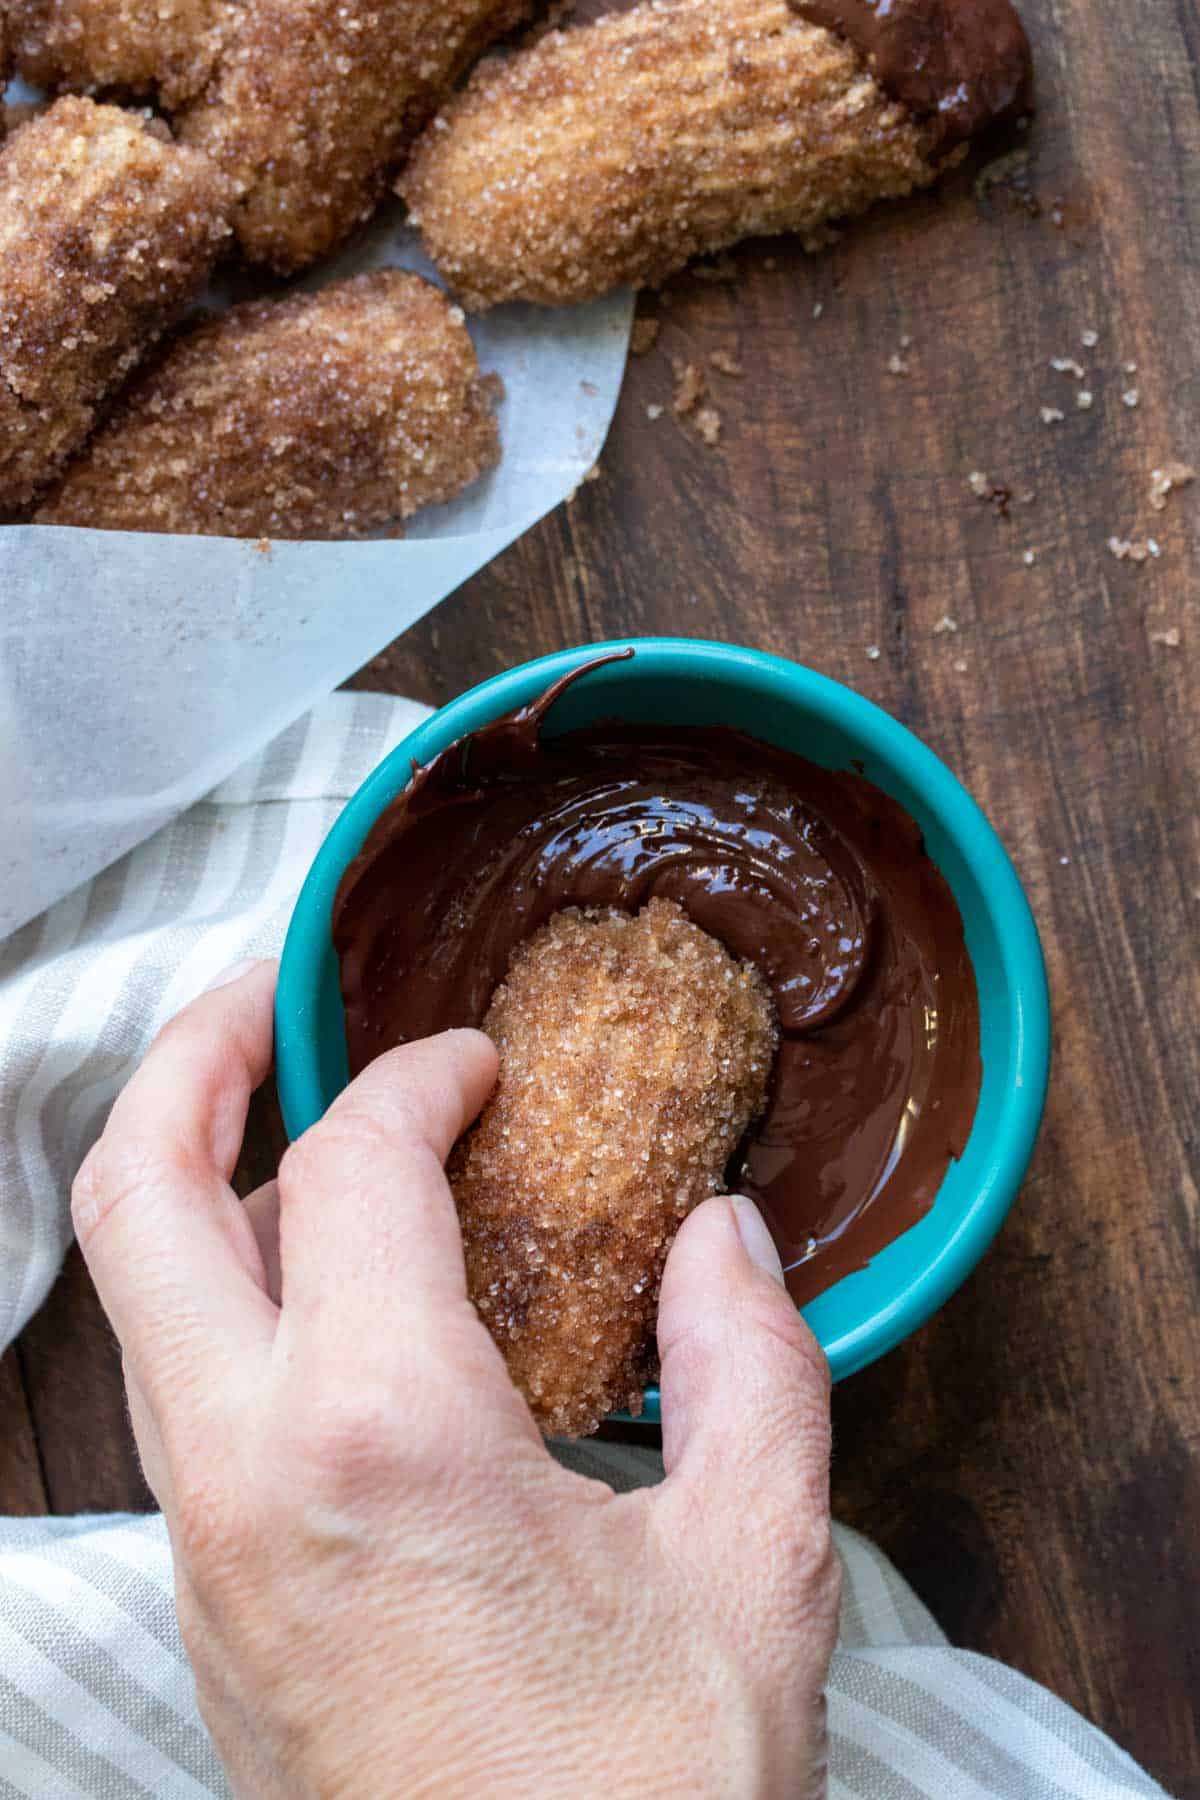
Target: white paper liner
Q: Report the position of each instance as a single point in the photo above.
(137, 670)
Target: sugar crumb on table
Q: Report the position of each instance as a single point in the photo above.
(1135, 550)
(1165, 480)
(690, 388)
(997, 493)
(708, 424)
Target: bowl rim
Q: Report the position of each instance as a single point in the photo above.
(887, 741)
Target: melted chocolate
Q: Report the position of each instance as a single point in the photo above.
(962, 65)
(818, 878)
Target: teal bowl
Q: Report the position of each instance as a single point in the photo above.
(678, 681)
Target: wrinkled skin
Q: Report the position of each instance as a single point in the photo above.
(385, 1582)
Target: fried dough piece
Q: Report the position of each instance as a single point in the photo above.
(106, 232)
(634, 1053)
(324, 415)
(166, 49)
(612, 153)
(314, 102)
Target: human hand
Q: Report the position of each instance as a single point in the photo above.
(385, 1583)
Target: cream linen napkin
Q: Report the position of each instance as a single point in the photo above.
(96, 1697)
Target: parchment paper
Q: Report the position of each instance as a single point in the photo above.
(136, 671)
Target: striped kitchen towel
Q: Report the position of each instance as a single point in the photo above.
(96, 1698)
(85, 988)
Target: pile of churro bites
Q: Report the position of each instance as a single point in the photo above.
(182, 135)
(581, 159)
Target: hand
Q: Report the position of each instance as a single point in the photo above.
(385, 1583)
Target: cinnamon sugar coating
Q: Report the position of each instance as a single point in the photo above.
(107, 230)
(313, 102)
(168, 49)
(611, 153)
(634, 1053)
(323, 415)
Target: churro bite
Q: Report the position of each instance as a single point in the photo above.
(323, 415)
(167, 50)
(306, 105)
(313, 101)
(107, 230)
(634, 1054)
(613, 152)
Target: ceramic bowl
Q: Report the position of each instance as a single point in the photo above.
(685, 682)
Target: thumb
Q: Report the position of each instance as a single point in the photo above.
(745, 1506)
(745, 1385)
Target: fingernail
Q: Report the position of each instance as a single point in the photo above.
(234, 972)
(757, 1241)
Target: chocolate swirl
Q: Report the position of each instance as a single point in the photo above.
(818, 878)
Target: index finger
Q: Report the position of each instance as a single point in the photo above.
(368, 1225)
(171, 1252)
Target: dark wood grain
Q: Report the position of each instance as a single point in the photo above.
(72, 1371)
(23, 1490)
(1032, 1458)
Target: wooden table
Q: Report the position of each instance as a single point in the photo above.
(1032, 1458)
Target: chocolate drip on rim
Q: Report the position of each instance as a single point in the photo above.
(962, 65)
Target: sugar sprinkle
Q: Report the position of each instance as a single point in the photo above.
(1164, 481)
